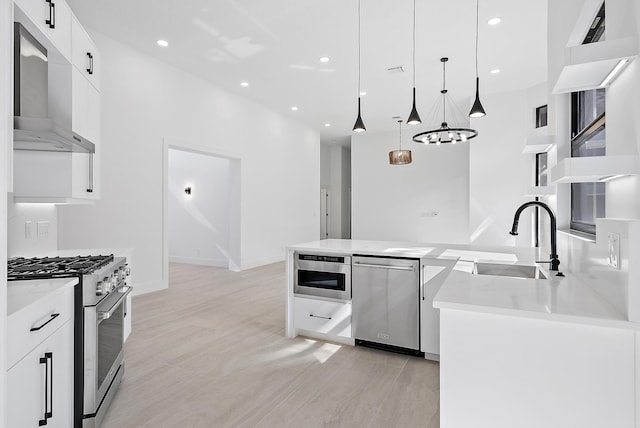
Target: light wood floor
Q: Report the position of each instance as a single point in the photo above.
(211, 352)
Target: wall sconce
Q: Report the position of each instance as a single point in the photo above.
(187, 190)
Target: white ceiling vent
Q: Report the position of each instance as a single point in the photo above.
(396, 69)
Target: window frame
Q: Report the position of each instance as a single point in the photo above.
(595, 126)
(539, 116)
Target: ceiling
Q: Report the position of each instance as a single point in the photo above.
(275, 46)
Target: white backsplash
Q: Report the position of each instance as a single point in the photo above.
(43, 230)
(590, 261)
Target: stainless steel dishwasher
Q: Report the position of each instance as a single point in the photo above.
(385, 299)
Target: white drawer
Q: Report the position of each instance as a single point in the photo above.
(31, 325)
(323, 316)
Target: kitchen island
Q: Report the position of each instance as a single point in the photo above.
(513, 351)
(331, 319)
(437, 261)
(535, 352)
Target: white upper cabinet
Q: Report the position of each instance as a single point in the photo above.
(84, 55)
(73, 103)
(53, 19)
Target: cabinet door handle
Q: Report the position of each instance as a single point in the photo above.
(90, 178)
(318, 316)
(90, 66)
(47, 360)
(51, 22)
(51, 318)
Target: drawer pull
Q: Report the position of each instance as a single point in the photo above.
(51, 318)
(47, 360)
(318, 316)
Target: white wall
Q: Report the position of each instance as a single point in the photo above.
(21, 245)
(6, 147)
(199, 223)
(499, 174)
(623, 138)
(426, 201)
(146, 102)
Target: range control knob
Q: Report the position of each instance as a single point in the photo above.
(127, 270)
(100, 288)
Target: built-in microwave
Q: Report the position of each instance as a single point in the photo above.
(322, 275)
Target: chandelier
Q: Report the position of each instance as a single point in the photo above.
(446, 133)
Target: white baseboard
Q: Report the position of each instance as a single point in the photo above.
(224, 263)
(261, 262)
(149, 286)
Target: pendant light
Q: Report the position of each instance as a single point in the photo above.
(414, 117)
(400, 157)
(445, 133)
(477, 110)
(359, 125)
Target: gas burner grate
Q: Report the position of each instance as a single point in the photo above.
(54, 267)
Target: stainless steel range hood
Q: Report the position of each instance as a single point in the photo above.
(33, 129)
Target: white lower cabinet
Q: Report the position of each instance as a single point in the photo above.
(501, 371)
(40, 385)
(326, 317)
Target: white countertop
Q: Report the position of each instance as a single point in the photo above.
(21, 294)
(568, 299)
(557, 298)
(415, 250)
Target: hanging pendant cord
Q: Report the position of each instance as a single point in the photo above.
(414, 43)
(358, 48)
(400, 123)
(444, 92)
(477, 20)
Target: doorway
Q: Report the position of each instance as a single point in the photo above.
(202, 208)
(324, 214)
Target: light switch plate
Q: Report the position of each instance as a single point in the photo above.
(614, 250)
(43, 229)
(28, 230)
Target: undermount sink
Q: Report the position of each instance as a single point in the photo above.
(508, 269)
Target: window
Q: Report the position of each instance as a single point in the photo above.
(541, 169)
(588, 130)
(596, 31)
(541, 116)
(540, 180)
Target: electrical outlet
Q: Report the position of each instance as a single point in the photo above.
(613, 246)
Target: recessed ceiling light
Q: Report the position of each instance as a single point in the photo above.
(495, 71)
(294, 108)
(245, 84)
(494, 21)
(162, 43)
(324, 59)
(327, 125)
(362, 94)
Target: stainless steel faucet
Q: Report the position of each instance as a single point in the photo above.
(555, 262)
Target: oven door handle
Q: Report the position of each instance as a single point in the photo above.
(103, 315)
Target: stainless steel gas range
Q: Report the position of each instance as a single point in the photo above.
(99, 311)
